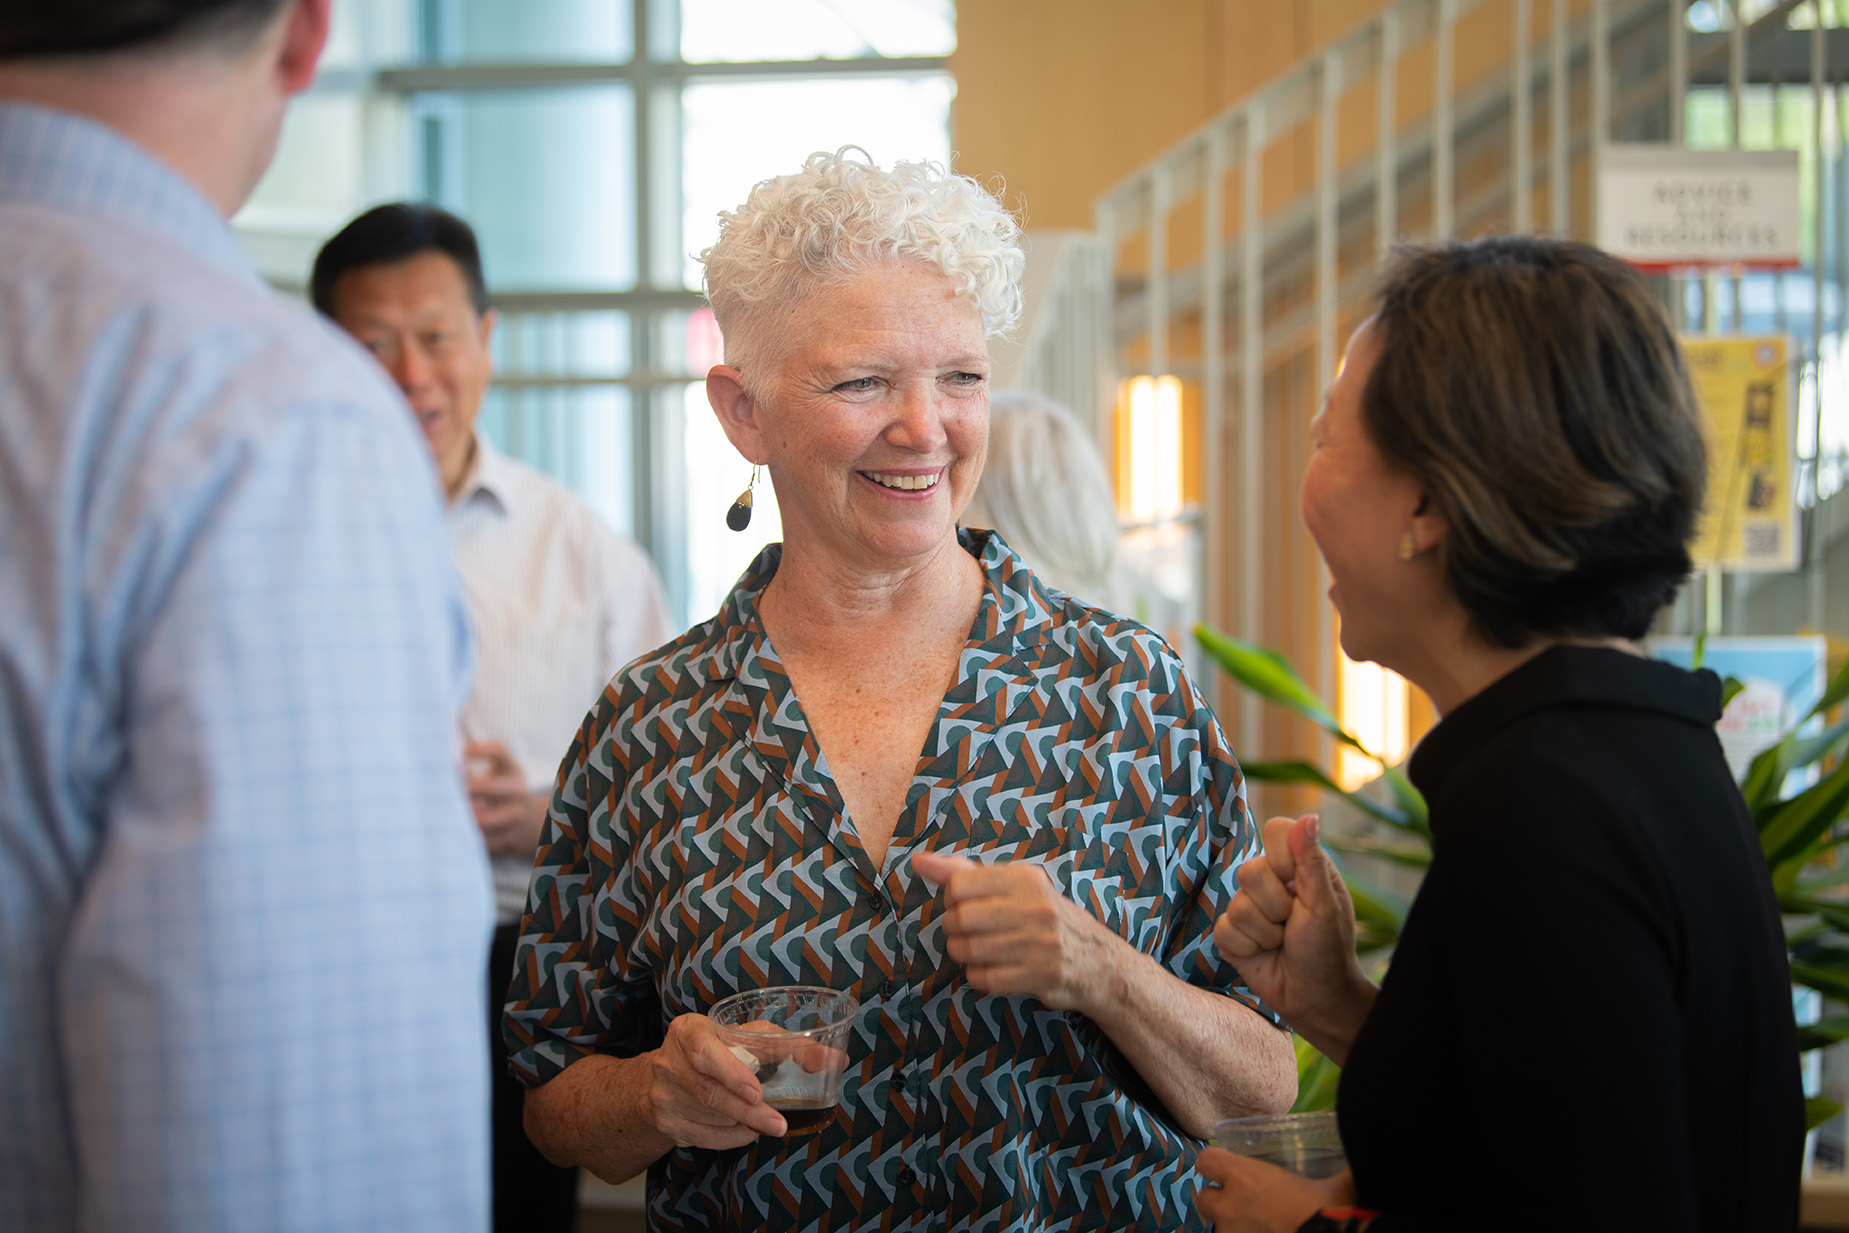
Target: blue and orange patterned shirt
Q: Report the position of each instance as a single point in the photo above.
(697, 846)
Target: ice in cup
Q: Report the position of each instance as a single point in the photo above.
(1308, 1144)
(796, 1036)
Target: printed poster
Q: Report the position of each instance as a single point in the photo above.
(1783, 677)
(1744, 388)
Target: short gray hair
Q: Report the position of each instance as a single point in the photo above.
(1045, 489)
(841, 215)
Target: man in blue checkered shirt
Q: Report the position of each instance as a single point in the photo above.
(243, 906)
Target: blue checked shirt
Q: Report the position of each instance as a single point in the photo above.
(243, 908)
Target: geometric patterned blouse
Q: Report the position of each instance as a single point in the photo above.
(697, 846)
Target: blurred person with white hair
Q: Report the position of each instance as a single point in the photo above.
(1044, 488)
(896, 763)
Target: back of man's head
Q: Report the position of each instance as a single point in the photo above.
(388, 234)
(62, 28)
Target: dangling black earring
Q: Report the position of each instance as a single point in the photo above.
(739, 516)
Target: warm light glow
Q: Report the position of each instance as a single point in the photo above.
(1372, 708)
(1153, 442)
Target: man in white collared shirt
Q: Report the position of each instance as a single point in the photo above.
(560, 601)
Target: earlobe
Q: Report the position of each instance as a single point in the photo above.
(1428, 525)
(304, 36)
(736, 410)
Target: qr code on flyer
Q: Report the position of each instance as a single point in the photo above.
(1761, 540)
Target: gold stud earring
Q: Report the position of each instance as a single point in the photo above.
(739, 516)
(1407, 547)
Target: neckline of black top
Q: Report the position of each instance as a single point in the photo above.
(1563, 676)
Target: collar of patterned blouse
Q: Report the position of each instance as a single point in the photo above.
(1008, 649)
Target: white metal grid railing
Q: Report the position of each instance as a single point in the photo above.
(1272, 276)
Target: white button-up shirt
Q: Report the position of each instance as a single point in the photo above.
(560, 602)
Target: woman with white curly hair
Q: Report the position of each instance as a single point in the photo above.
(894, 764)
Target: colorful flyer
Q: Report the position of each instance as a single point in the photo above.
(1744, 389)
(1783, 678)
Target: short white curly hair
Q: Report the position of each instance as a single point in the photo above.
(841, 215)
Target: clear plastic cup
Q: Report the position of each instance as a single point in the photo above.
(1308, 1144)
(797, 1038)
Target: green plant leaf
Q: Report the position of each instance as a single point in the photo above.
(1829, 880)
(1698, 652)
(1731, 688)
(1799, 821)
(1806, 935)
(1823, 1032)
(1412, 854)
(1304, 772)
(1830, 982)
(1409, 798)
(1766, 776)
(1763, 778)
(1817, 1111)
(1270, 676)
(1834, 693)
(1317, 1078)
(1808, 749)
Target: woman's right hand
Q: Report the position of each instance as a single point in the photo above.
(1291, 933)
(701, 1095)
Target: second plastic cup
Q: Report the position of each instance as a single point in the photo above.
(1307, 1144)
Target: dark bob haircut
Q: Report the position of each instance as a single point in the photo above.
(397, 232)
(1535, 389)
(30, 28)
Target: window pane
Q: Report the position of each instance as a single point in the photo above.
(496, 31)
(579, 435)
(315, 184)
(815, 29)
(551, 345)
(716, 474)
(547, 177)
(738, 133)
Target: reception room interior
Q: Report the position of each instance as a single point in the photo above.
(1207, 189)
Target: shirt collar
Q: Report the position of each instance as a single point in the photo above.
(1562, 676)
(1014, 613)
(63, 162)
(491, 475)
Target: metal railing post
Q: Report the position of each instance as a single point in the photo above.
(1160, 188)
(1251, 394)
(1559, 219)
(1521, 171)
(1678, 69)
(1213, 378)
(1386, 154)
(1442, 136)
(1599, 72)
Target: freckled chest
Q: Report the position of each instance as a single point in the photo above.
(871, 710)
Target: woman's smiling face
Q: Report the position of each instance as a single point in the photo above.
(1357, 507)
(874, 421)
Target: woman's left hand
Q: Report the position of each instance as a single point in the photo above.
(1250, 1196)
(1014, 933)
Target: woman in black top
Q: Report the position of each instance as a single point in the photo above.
(1587, 1023)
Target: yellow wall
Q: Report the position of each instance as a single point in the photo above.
(1063, 98)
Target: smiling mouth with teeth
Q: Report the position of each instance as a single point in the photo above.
(905, 483)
